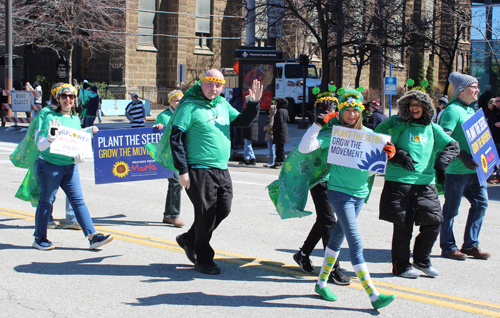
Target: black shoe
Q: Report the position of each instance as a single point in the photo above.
(210, 269)
(304, 263)
(337, 276)
(251, 162)
(186, 247)
(245, 162)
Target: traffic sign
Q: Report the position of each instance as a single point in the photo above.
(390, 85)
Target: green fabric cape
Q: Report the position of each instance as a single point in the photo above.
(161, 151)
(301, 172)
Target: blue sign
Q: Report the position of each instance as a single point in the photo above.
(120, 156)
(481, 145)
(390, 85)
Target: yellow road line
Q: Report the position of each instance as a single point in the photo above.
(288, 269)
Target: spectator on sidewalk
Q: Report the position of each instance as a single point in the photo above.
(237, 103)
(484, 99)
(135, 112)
(441, 105)
(268, 128)
(89, 111)
(280, 131)
(377, 115)
(250, 134)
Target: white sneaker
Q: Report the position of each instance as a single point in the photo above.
(428, 271)
(411, 273)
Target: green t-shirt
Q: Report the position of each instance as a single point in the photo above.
(349, 180)
(422, 142)
(453, 117)
(66, 121)
(42, 115)
(207, 132)
(164, 117)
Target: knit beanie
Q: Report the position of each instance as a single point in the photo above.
(460, 82)
(350, 98)
(443, 100)
(375, 104)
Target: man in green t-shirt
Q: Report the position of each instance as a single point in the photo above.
(201, 146)
(461, 176)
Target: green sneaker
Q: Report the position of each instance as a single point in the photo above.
(325, 293)
(382, 301)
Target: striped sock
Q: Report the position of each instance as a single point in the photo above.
(366, 281)
(330, 258)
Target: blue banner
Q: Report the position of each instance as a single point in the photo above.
(481, 145)
(120, 156)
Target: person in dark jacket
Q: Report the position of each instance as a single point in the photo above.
(280, 131)
(484, 99)
(494, 124)
(250, 134)
(377, 115)
(237, 103)
(90, 109)
(410, 195)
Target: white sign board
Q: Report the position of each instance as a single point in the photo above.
(72, 142)
(21, 101)
(358, 149)
(390, 85)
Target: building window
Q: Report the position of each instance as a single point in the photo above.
(203, 24)
(146, 25)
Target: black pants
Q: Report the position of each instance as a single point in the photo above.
(325, 220)
(421, 250)
(211, 192)
(280, 153)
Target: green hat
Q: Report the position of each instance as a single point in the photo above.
(350, 98)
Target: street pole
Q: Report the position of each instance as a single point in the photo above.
(8, 50)
(390, 96)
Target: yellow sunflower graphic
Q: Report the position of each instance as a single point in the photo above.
(417, 139)
(121, 169)
(73, 135)
(484, 163)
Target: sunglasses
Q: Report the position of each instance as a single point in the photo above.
(70, 96)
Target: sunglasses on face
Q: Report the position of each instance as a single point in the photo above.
(64, 96)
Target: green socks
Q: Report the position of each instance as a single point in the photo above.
(378, 300)
(325, 293)
(330, 259)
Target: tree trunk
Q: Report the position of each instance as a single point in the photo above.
(70, 61)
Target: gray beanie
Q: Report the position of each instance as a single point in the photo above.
(460, 82)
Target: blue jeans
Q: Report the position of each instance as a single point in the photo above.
(456, 186)
(248, 150)
(89, 122)
(99, 115)
(272, 152)
(68, 178)
(347, 209)
(70, 213)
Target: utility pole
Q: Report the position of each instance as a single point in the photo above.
(8, 50)
(250, 26)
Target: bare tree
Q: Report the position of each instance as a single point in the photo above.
(96, 25)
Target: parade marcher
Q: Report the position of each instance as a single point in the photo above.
(461, 176)
(268, 137)
(250, 134)
(173, 201)
(377, 115)
(280, 131)
(135, 112)
(200, 148)
(347, 189)
(54, 171)
(410, 195)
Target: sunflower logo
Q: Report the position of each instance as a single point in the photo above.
(484, 163)
(417, 139)
(121, 169)
(73, 135)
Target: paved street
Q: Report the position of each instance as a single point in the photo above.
(143, 272)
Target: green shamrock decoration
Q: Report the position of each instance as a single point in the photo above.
(332, 88)
(316, 90)
(360, 89)
(410, 82)
(340, 91)
(424, 83)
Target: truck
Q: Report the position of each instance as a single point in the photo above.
(289, 85)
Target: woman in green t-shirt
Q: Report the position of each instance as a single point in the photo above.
(347, 190)
(54, 171)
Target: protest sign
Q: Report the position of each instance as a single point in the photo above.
(120, 156)
(358, 149)
(481, 145)
(72, 142)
